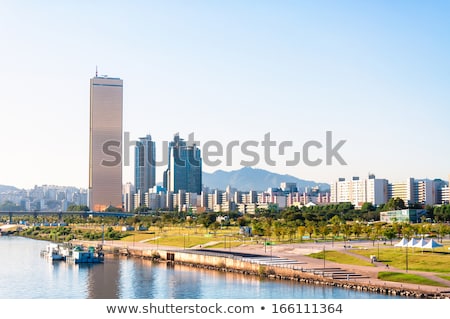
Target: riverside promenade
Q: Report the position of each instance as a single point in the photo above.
(368, 275)
(286, 262)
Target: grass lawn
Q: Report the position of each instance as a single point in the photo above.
(407, 278)
(436, 261)
(189, 237)
(446, 277)
(340, 258)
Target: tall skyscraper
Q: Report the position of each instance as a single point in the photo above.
(105, 143)
(144, 165)
(184, 170)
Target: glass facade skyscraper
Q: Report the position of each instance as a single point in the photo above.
(144, 166)
(105, 143)
(184, 171)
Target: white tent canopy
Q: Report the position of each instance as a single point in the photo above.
(412, 242)
(420, 243)
(416, 243)
(432, 244)
(402, 243)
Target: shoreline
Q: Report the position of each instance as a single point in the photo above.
(285, 262)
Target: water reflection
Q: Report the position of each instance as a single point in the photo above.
(25, 274)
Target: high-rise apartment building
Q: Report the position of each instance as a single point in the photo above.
(403, 190)
(415, 191)
(144, 166)
(445, 193)
(425, 192)
(105, 143)
(359, 191)
(128, 197)
(184, 170)
(376, 190)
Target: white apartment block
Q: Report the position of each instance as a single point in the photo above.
(280, 200)
(425, 192)
(377, 191)
(411, 191)
(128, 197)
(445, 194)
(359, 191)
(403, 190)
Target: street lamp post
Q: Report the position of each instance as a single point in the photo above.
(323, 256)
(271, 256)
(378, 257)
(406, 262)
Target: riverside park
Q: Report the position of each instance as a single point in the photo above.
(376, 259)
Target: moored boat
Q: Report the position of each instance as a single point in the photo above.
(91, 255)
(52, 251)
(73, 254)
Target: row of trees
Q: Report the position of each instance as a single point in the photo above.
(346, 211)
(337, 221)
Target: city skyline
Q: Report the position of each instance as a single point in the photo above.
(356, 191)
(234, 71)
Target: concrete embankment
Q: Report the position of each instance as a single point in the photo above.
(238, 263)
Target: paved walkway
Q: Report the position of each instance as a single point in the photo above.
(369, 274)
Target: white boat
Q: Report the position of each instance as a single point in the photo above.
(73, 254)
(53, 252)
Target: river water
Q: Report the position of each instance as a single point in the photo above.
(27, 275)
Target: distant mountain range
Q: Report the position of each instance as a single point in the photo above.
(6, 188)
(248, 178)
(244, 179)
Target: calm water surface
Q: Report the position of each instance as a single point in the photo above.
(27, 275)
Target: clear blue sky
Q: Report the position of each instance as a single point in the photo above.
(375, 73)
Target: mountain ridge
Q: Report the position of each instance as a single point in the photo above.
(7, 188)
(248, 178)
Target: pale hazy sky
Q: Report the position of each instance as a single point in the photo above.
(374, 73)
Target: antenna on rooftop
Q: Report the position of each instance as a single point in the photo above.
(96, 71)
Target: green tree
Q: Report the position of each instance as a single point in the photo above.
(301, 231)
(207, 219)
(357, 229)
(141, 209)
(407, 230)
(394, 204)
(346, 230)
(366, 207)
(389, 233)
(243, 221)
(310, 227)
(77, 208)
(323, 229)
